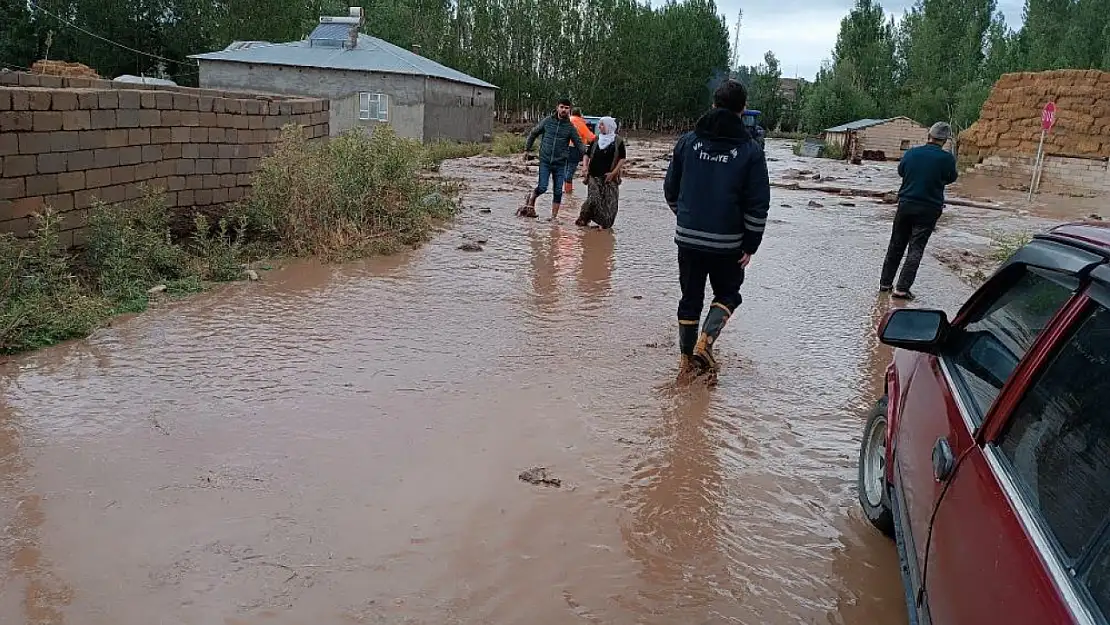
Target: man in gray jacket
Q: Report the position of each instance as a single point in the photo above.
(558, 133)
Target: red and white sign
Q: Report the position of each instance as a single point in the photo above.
(1048, 116)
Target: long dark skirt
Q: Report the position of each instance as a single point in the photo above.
(601, 202)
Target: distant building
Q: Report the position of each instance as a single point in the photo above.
(877, 139)
(789, 88)
(368, 80)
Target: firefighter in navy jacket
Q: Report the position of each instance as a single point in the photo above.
(718, 188)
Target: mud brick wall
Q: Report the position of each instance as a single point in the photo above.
(69, 142)
(1059, 173)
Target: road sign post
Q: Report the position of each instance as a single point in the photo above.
(1048, 120)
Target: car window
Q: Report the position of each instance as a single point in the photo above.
(986, 350)
(1057, 441)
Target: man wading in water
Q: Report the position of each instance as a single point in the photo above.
(718, 188)
(925, 171)
(558, 135)
(604, 161)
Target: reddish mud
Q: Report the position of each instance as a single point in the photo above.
(344, 444)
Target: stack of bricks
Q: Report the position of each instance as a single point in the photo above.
(70, 142)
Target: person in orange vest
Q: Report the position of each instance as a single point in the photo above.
(575, 157)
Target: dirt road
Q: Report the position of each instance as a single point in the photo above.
(343, 444)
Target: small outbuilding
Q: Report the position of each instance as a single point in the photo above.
(369, 81)
(877, 139)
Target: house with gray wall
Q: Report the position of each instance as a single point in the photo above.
(368, 80)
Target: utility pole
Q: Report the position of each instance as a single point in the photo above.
(736, 42)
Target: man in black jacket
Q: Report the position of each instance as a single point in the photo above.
(718, 188)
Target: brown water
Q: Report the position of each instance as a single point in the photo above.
(342, 444)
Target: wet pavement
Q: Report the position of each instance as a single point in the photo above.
(343, 444)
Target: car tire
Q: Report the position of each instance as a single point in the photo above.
(874, 491)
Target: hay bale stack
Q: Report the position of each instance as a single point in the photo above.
(1010, 122)
(61, 68)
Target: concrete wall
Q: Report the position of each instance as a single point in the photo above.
(406, 93)
(68, 142)
(457, 112)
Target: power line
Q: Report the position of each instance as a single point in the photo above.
(104, 39)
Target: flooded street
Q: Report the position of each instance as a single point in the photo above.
(342, 444)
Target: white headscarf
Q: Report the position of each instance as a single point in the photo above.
(605, 139)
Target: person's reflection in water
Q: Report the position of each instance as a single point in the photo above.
(676, 499)
(552, 255)
(596, 268)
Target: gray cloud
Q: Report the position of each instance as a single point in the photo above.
(802, 32)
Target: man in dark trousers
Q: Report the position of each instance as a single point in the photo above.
(558, 134)
(718, 188)
(925, 171)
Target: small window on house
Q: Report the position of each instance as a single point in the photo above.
(906, 144)
(373, 106)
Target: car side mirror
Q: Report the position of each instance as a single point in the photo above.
(919, 330)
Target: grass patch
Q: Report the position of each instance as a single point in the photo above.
(507, 144)
(48, 295)
(828, 150)
(41, 299)
(355, 195)
(436, 153)
(1004, 244)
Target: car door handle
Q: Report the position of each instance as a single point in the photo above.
(943, 460)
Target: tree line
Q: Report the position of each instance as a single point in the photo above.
(650, 65)
(939, 61)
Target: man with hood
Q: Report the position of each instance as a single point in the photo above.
(559, 138)
(718, 188)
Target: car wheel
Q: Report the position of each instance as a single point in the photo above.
(874, 493)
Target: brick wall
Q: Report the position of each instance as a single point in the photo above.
(67, 142)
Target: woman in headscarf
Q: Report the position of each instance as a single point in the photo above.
(603, 164)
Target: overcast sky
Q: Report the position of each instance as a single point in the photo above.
(802, 32)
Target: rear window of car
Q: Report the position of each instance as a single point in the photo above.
(987, 350)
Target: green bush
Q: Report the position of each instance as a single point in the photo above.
(41, 300)
(1004, 244)
(436, 153)
(220, 253)
(357, 194)
(507, 144)
(130, 250)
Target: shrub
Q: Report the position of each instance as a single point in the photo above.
(357, 194)
(1004, 244)
(220, 253)
(41, 301)
(130, 250)
(507, 144)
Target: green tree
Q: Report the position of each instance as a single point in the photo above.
(766, 91)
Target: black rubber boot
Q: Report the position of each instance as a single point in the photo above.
(714, 322)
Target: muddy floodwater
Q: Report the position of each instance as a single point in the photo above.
(344, 444)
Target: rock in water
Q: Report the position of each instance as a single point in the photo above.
(252, 275)
(539, 476)
(815, 204)
(470, 247)
(161, 288)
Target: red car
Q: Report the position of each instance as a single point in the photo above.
(988, 458)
